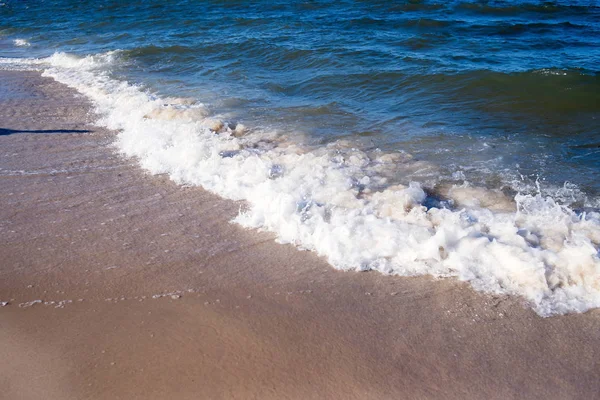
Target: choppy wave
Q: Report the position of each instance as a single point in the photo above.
(347, 204)
(515, 8)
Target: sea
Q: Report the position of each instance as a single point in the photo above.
(446, 138)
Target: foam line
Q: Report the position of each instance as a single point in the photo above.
(339, 201)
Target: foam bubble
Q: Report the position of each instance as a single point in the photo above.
(361, 210)
(89, 62)
(174, 111)
(21, 43)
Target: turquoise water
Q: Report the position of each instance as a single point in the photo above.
(496, 91)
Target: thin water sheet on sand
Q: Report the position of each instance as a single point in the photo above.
(116, 284)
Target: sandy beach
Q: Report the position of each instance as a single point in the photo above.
(120, 285)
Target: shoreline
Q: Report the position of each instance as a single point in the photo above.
(178, 302)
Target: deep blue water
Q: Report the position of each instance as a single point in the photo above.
(493, 90)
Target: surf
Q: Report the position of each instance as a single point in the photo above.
(361, 209)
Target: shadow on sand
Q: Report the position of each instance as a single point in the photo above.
(4, 132)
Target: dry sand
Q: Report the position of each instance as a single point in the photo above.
(147, 292)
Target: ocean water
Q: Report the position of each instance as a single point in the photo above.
(455, 138)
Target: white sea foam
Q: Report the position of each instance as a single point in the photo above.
(339, 201)
(20, 63)
(21, 43)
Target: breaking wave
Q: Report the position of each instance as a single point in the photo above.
(361, 209)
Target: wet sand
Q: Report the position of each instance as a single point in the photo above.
(146, 291)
